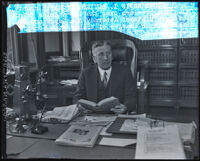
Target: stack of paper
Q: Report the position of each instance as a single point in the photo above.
(159, 143)
(186, 130)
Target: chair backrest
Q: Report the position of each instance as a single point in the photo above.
(124, 52)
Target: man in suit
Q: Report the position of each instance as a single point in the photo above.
(105, 79)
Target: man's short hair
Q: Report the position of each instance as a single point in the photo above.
(100, 43)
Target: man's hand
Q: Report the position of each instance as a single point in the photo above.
(119, 109)
(83, 110)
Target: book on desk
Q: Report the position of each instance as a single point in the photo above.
(103, 105)
(79, 135)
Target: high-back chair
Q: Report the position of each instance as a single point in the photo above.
(124, 52)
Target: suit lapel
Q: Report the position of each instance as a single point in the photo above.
(94, 84)
(112, 80)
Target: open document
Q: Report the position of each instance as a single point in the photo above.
(159, 143)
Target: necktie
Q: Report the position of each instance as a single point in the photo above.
(105, 79)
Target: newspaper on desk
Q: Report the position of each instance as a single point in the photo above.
(60, 114)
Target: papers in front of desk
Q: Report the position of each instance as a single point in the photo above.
(186, 131)
(130, 125)
(80, 135)
(121, 142)
(159, 143)
(61, 114)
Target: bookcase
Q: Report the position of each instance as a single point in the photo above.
(162, 58)
(188, 73)
(173, 71)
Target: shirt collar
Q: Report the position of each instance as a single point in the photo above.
(108, 71)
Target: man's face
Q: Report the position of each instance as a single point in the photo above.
(102, 55)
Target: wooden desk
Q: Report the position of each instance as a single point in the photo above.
(40, 147)
(46, 148)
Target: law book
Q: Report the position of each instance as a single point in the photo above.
(159, 143)
(79, 135)
(103, 105)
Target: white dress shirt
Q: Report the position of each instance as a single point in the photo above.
(108, 71)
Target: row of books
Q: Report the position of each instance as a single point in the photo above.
(160, 91)
(162, 75)
(189, 92)
(158, 42)
(182, 42)
(189, 57)
(192, 75)
(157, 57)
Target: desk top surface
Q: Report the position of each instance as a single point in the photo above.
(44, 147)
(48, 149)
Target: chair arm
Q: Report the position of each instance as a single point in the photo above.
(142, 82)
(142, 85)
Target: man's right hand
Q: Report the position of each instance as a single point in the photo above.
(119, 109)
(83, 110)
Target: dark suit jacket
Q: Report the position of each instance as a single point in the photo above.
(122, 85)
